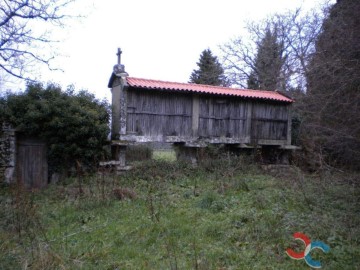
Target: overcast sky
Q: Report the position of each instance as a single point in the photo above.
(160, 39)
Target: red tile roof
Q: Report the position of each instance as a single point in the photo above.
(207, 89)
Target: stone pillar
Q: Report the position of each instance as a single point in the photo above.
(7, 154)
(122, 157)
(118, 86)
(284, 157)
(115, 110)
(119, 108)
(187, 154)
(123, 105)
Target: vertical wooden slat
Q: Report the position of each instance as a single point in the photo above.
(32, 168)
(160, 113)
(195, 115)
(288, 139)
(248, 128)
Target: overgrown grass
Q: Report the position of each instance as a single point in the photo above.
(139, 152)
(221, 215)
(165, 155)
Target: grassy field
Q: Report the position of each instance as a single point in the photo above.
(165, 155)
(167, 215)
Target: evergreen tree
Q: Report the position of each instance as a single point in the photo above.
(253, 82)
(266, 72)
(289, 36)
(210, 71)
(333, 98)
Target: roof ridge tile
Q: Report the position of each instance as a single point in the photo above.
(210, 89)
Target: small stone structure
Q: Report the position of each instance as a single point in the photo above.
(7, 153)
(23, 159)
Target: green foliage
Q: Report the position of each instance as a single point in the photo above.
(213, 202)
(241, 228)
(74, 124)
(210, 71)
(253, 82)
(333, 99)
(268, 63)
(166, 155)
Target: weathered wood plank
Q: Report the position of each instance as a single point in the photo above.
(159, 113)
(32, 168)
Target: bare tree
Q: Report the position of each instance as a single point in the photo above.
(296, 32)
(19, 40)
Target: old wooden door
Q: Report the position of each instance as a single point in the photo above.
(32, 167)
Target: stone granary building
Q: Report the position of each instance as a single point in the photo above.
(194, 115)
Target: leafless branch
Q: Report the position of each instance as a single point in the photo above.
(296, 34)
(18, 40)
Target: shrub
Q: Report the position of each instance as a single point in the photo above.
(75, 126)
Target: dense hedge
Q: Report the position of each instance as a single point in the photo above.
(75, 125)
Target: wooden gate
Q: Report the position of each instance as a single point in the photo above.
(32, 168)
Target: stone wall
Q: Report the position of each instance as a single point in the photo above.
(7, 153)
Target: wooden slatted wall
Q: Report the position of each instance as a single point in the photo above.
(157, 114)
(223, 117)
(269, 121)
(31, 159)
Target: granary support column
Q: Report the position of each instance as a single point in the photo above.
(187, 153)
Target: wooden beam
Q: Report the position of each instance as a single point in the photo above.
(248, 122)
(195, 115)
(271, 142)
(290, 147)
(288, 135)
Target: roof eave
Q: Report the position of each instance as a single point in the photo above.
(111, 80)
(290, 100)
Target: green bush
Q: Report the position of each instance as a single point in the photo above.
(75, 125)
(212, 201)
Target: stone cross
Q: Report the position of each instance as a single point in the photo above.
(119, 56)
